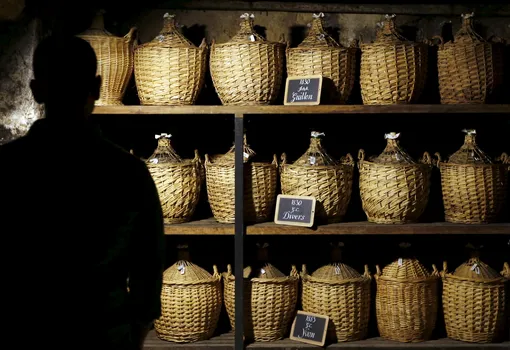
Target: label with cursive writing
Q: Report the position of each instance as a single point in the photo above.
(303, 90)
(295, 210)
(309, 328)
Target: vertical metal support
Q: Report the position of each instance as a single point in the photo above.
(239, 231)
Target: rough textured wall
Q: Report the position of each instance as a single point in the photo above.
(18, 110)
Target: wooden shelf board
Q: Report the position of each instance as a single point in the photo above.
(211, 227)
(226, 341)
(324, 109)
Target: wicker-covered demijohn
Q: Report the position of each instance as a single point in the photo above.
(406, 300)
(320, 54)
(170, 69)
(474, 186)
(470, 68)
(178, 181)
(394, 188)
(342, 293)
(114, 60)
(248, 69)
(270, 300)
(191, 301)
(475, 302)
(393, 69)
(318, 175)
(259, 186)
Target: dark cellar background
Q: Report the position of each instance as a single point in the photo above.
(270, 134)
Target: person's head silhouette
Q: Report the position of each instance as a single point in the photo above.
(65, 78)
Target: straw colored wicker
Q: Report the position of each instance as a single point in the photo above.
(474, 188)
(170, 70)
(394, 191)
(259, 186)
(470, 68)
(114, 60)
(247, 70)
(406, 301)
(329, 181)
(474, 302)
(339, 291)
(393, 70)
(320, 54)
(269, 302)
(178, 181)
(191, 303)
(506, 274)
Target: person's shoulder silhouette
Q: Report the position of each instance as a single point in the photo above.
(82, 214)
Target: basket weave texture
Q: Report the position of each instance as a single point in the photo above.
(170, 70)
(474, 302)
(114, 60)
(339, 291)
(316, 174)
(320, 54)
(406, 301)
(259, 186)
(470, 68)
(191, 303)
(178, 181)
(474, 188)
(393, 69)
(394, 188)
(269, 302)
(247, 70)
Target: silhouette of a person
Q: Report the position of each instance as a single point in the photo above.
(80, 219)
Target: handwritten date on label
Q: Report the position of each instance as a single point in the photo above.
(303, 90)
(295, 210)
(309, 328)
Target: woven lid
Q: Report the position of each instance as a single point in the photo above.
(470, 153)
(393, 153)
(388, 32)
(170, 35)
(229, 157)
(336, 271)
(317, 36)
(184, 271)
(466, 34)
(315, 155)
(247, 33)
(506, 270)
(476, 270)
(164, 153)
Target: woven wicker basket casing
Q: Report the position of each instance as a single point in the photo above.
(247, 70)
(470, 68)
(474, 304)
(331, 185)
(178, 182)
(474, 193)
(393, 70)
(259, 187)
(170, 70)
(340, 292)
(269, 303)
(320, 54)
(406, 301)
(191, 303)
(114, 61)
(394, 193)
(506, 274)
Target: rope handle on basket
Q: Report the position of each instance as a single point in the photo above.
(441, 40)
(506, 270)
(216, 274)
(294, 272)
(427, 159)
(203, 44)
(283, 159)
(304, 270)
(445, 269)
(496, 39)
(348, 160)
(207, 160)
(275, 160)
(197, 157)
(367, 273)
(132, 36)
(435, 271)
(229, 270)
(439, 160)
(504, 158)
(377, 272)
(361, 155)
